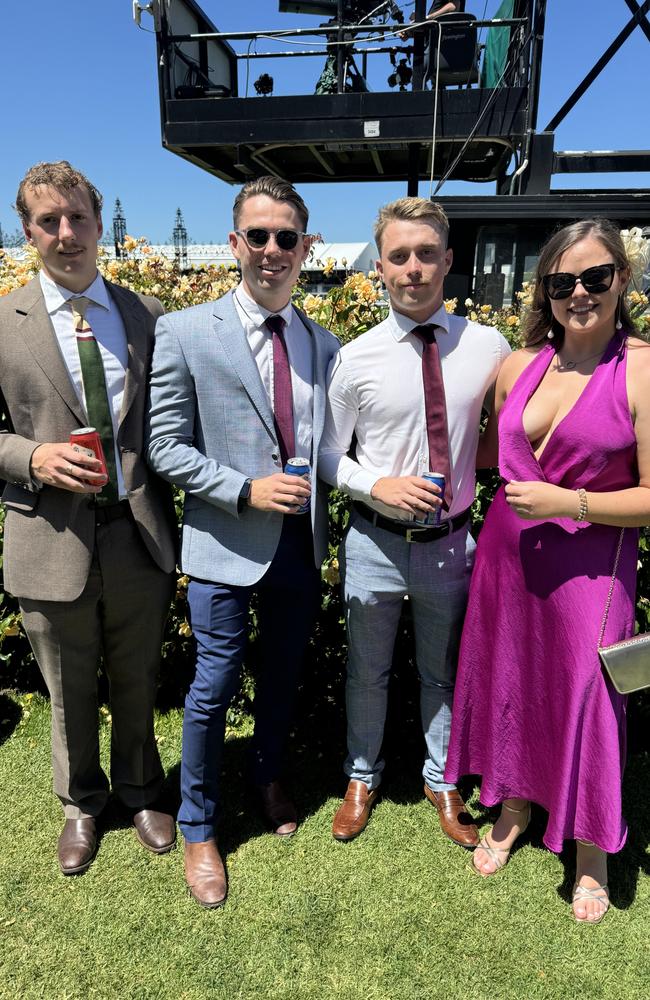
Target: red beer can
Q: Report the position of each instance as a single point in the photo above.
(87, 439)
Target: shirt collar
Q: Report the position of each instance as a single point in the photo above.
(402, 326)
(256, 313)
(56, 296)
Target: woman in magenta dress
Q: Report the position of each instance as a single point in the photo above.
(533, 713)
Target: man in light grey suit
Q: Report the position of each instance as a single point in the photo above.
(237, 388)
(90, 557)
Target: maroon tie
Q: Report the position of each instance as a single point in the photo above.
(435, 407)
(282, 397)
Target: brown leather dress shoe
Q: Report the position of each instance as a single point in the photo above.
(456, 822)
(353, 814)
(155, 830)
(77, 845)
(205, 874)
(278, 810)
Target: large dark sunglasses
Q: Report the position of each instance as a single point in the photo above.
(257, 238)
(594, 280)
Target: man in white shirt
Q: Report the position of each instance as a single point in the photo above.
(377, 398)
(237, 389)
(90, 556)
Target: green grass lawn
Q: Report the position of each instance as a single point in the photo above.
(394, 915)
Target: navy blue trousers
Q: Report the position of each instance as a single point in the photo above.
(287, 603)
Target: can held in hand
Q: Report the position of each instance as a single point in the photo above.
(87, 439)
(434, 517)
(300, 467)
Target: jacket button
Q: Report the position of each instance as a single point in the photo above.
(274, 456)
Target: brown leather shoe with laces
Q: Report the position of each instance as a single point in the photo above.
(455, 821)
(205, 874)
(353, 814)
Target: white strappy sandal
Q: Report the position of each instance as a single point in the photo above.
(500, 855)
(599, 893)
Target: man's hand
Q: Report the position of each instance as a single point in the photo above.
(63, 466)
(535, 501)
(411, 493)
(279, 492)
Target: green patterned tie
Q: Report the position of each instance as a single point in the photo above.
(97, 405)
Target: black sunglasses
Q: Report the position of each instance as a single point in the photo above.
(594, 280)
(257, 238)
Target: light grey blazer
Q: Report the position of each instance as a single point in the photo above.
(210, 427)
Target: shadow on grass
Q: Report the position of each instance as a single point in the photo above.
(316, 747)
(625, 867)
(10, 715)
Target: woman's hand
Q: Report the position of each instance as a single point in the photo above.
(537, 501)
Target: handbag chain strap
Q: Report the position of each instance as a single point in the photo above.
(611, 590)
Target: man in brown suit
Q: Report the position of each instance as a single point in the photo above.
(93, 573)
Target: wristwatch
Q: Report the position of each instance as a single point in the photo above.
(244, 494)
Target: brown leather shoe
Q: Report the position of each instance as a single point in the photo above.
(353, 814)
(205, 874)
(77, 845)
(278, 810)
(155, 830)
(456, 822)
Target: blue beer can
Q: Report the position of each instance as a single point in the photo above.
(434, 517)
(299, 467)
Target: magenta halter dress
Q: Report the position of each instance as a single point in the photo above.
(533, 713)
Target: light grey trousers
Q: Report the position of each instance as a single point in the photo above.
(380, 570)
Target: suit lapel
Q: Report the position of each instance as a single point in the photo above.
(233, 340)
(136, 340)
(35, 328)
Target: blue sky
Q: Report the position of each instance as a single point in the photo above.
(80, 83)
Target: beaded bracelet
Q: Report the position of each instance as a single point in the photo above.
(582, 497)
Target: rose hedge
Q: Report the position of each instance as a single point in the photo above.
(348, 310)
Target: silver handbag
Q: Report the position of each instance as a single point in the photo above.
(627, 662)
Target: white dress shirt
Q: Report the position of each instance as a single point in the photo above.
(108, 329)
(376, 394)
(299, 348)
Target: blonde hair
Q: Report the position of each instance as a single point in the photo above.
(411, 210)
(60, 175)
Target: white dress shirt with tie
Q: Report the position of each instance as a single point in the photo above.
(299, 348)
(108, 329)
(376, 395)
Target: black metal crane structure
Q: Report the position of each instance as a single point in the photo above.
(467, 108)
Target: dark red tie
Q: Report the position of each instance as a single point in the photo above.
(435, 407)
(282, 396)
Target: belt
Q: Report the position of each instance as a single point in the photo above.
(406, 528)
(105, 513)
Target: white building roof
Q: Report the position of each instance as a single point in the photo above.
(347, 256)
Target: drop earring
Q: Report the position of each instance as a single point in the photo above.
(550, 335)
(618, 325)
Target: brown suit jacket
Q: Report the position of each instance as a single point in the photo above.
(49, 532)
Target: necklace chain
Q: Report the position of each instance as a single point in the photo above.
(570, 365)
